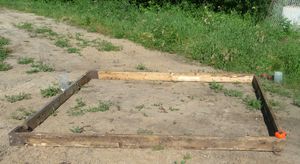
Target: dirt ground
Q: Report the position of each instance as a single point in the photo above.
(162, 108)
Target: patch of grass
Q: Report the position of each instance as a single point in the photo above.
(252, 103)
(62, 43)
(216, 86)
(141, 67)
(77, 129)
(22, 114)
(225, 41)
(73, 50)
(46, 31)
(141, 131)
(297, 101)
(102, 45)
(25, 60)
(50, 91)
(277, 89)
(3, 41)
(102, 107)
(233, 93)
(78, 110)
(4, 53)
(158, 147)
(25, 26)
(19, 97)
(80, 107)
(5, 66)
(140, 107)
(173, 109)
(40, 66)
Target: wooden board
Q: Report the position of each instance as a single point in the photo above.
(269, 116)
(180, 77)
(152, 141)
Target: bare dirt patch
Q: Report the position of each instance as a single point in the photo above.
(133, 102)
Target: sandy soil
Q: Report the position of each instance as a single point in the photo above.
(200, 111)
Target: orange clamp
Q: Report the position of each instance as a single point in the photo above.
(281, 134)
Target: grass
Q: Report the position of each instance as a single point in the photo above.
(50, 91)
(3, 41)
(297, 101)
(141, 131)
(102, 45)
(25, 26)
(217, 87)
(73, 50)
(173, 109)
(62, 43)
(25, 60)
(225, 41)
(22, 114)
(40, 66)
(5, 66)
(233, 93)
(103, 106)
(19, 97)
(141, 67)
(80, 107)
(252, 103)
(140, 107)
(4, 53)
(77, 129)
(46, 31)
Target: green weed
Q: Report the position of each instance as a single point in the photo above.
(78, 109)
(173, 109)
(141, 67)
(25, 26)
(252, 103)
(102, 45)
(50, 91)
(22, 114)
(233, 93)
(140, 107)
(3, 41)
(25, 60)
(19, 97)
(62, 43)
(46, 31)
(40, 66)
(216, 86)
(73, 50)
(5, 66)
(102, 107)
(141, 131)
(297, 101)
(77, 129)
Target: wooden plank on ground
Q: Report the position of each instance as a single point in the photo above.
(50, 107)
(269, 116)
(270, 144)
(188, 77)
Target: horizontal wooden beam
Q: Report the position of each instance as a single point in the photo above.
(269, 144)
(180, 77)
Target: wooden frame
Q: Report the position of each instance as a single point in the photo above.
(24, 135)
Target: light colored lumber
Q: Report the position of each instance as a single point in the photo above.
(179, 77)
